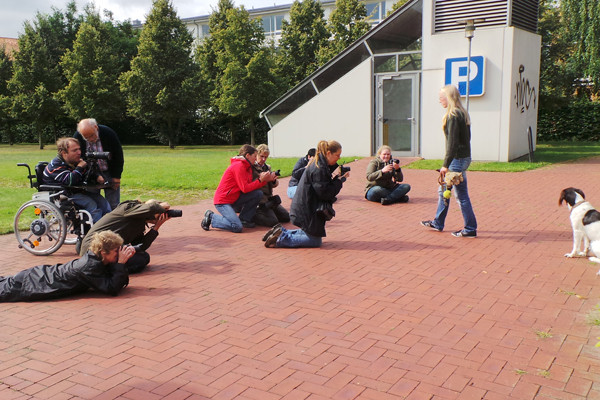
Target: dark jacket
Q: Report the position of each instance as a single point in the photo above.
(59, 172)
(458, 138)
(52, 281)
(315, 185)
(376, 177)
(268, 188)
(110, 142)
(298, 170)
(128, 220)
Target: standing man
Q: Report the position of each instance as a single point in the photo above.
(97, 138)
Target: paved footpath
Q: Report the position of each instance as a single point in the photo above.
(386, 309)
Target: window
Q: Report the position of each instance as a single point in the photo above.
(272, 23)
(204, 30)
(375, 12)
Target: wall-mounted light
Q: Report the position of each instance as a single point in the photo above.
(469, 34)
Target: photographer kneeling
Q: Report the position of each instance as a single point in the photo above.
(383, 179)
(270, 211)
(312, 203)
(130, 220)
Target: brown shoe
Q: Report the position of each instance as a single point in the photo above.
(272, 239)
(270, 232)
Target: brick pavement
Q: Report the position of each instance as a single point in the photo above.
(386, 309)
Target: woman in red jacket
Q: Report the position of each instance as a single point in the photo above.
(237, 193)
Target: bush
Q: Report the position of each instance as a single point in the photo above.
(575, 122)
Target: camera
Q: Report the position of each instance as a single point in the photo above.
(394, 161)
(174, 213)
(98, 155)
(344, 169)
(278, 172)
(93, 169)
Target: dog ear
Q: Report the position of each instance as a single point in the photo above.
(562, 197)
(580, 192)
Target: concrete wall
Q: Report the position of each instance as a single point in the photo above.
(341, 112)
(497, 125)
(523, 90)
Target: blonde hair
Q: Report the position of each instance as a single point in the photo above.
(454, 105)
(263, 148)
(382, 148)
(323, 147)
(104, 242)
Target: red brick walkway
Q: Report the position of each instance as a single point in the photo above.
(386, 309)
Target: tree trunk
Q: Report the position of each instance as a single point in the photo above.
(41, 139)
(252, 130)
(231, 132)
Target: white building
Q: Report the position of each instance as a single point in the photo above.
(272, 17)
(383, 89)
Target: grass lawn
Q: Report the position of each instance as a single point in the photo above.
(189, 174)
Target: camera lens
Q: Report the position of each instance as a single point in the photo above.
(174, 213)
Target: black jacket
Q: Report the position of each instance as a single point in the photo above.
(458, 138)
(52, 281)
(298, 170)
(110, 142)
(315, 185)
(128, 220)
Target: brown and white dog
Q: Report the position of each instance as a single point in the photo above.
(575, 200)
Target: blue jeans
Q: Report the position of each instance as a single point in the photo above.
(291, 191)
(297, 238)
(376, 193)
(246, 205)
(462, 197)
(94, 203)
(113, 196)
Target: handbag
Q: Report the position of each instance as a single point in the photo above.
(325, 210)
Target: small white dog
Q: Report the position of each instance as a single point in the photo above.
(575, 200)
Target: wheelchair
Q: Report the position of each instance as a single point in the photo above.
(50, 219)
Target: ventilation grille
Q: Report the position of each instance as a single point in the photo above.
(525, 14)
(495, 12)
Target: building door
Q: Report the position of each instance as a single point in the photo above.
(397, 113)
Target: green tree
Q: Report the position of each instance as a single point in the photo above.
(36, 78)
(397, 5)
(245, 82)
(347, 23)
(301, 38)
(556, 70)
(581, 19)
(99, 56)
(6, 118)
(206, 53)
(161, 87)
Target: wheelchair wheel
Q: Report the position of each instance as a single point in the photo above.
(40, 227)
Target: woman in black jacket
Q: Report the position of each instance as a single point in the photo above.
(321, 182)
(457, 131)
(102, 269)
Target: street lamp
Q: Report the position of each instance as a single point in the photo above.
(469, 34)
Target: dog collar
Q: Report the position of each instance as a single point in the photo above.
(577, 204)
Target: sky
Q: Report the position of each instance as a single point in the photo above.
(13, 13)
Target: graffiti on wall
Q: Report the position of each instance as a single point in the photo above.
(526, 95)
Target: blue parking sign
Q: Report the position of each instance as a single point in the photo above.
(456, 74)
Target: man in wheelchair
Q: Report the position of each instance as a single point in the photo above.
(70, 170)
